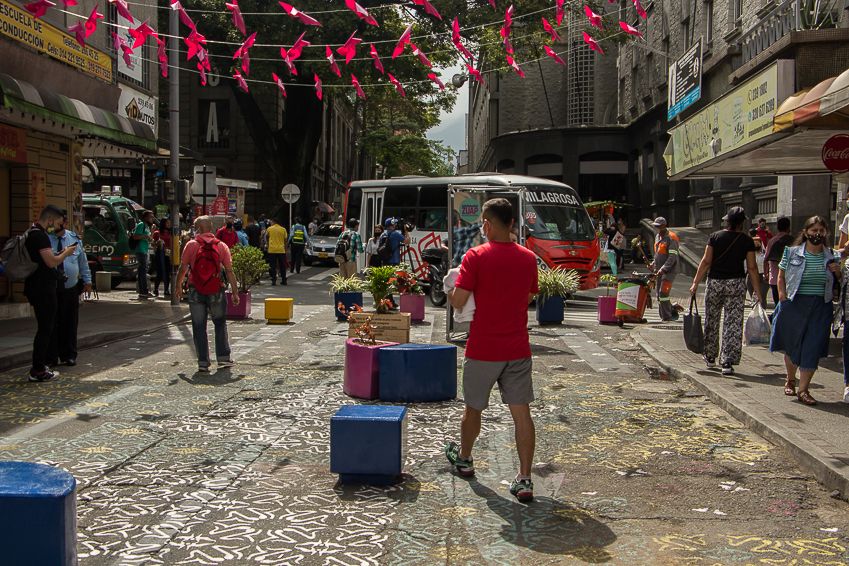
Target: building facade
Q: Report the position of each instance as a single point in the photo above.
(616, 146)
(58, 98)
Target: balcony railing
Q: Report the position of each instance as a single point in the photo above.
(788, 16)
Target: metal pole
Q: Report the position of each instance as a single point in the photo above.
(174, 134)
(141, 197)
(204, 189)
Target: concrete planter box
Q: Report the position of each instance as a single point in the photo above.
(362, 371)
(550, 310)
(607, 310)
(413, 304)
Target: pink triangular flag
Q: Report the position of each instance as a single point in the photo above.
(421, 55)
(515, 66)
(398, 86)
(546, 25)
(162, 56)
(38, 8)
(559, 12)
(428, 8)
(629, 29)
(91, 22)
(78, 29)
(377, 63)
(594, 19)
(640, 10)
(318, 92)
(357, 86)
(123, 10)
(238, 20)
(402, 41)
(349, 49)
(361, 12)
(240, 80)
(279, 84)
(592, 43)
(141, 33)
(550, 52)
(433, 77)
(455, 38)
(184, 16)
(328, 54)
(305, 19)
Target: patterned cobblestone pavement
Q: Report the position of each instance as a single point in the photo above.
(232, 468)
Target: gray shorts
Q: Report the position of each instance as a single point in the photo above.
(513, 378)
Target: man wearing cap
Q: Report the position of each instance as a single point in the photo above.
(348, 265)
(665, 266)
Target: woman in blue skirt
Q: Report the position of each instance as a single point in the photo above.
(803, 317)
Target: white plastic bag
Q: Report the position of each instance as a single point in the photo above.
(757, 329)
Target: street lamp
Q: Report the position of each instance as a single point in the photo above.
(459, 80)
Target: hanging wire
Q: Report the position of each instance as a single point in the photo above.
(316, 46)
(275, 13)
(572, 49)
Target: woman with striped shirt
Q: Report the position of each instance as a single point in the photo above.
(803, 317)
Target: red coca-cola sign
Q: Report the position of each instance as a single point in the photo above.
(835, 153)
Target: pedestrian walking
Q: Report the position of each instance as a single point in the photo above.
(802, 321)
(162, 257)
(227, 233)
(254, 232)
(390, 243)
(638, 252)
(313, 226)
(502, 276)
(348, 245)
(77, 275)
(760, 262)
(665, 266)
(275, 243)
(372, 259)
(142, 236)
(840, 318)
(298, 239)
(40, 287)
(204, 259)
(774, 252)
(762, 231)
(728, 255)
(240, 233)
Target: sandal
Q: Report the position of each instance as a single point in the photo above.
(806, 399)
(790, 388)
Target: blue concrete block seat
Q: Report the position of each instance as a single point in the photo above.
(368, 443)
(38, 514)
(418, 372)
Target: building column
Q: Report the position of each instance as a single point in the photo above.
(801, 197)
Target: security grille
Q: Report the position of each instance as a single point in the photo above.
(581, 76)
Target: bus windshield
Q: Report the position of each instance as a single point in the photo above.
(557, 222)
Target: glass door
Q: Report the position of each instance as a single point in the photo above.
(370, 214)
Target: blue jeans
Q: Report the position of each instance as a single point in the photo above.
(144, 267)
(214, 307)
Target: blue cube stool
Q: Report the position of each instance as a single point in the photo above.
(418, 372)
(368, 443)
(38, 514)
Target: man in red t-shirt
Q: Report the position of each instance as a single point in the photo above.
(502, 275)
(227, 233)
(206, 257)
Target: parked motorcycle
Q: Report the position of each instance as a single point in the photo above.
(438, 266)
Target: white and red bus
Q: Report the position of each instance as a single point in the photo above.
(558, 228)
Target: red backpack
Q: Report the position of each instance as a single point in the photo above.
(205, 275)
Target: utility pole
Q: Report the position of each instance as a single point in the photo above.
(174, 133)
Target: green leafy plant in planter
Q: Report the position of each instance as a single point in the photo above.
(248, 266)
(341, 284)
(405, 282)
(554, 286)
(608, 280)
(557, 283)
(379, 282)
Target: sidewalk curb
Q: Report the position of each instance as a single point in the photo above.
(20, 359)
(829, 471)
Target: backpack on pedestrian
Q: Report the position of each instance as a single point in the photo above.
(384, 248)
(15, 259)
(343, 248)
(205, 275)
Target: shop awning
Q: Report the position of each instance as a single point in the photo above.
(91, 120)
(826, 106)
(325, 208)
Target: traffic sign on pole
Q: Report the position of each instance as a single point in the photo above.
(290, 194)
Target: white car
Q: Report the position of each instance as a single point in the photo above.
(322, 246)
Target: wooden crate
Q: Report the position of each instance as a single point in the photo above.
(391, 327)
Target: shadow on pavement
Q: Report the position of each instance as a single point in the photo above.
(222, 376)
(549, 526)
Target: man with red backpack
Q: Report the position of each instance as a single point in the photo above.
(204, 258)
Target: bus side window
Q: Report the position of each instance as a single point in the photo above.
(101, 220)
(433, 220)
(400, 202)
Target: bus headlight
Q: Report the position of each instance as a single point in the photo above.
(129, 260)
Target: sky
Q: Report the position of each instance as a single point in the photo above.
(452, 127)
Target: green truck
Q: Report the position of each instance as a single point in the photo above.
(108, 220)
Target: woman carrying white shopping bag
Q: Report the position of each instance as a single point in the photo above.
(728, 255)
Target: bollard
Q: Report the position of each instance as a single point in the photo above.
(103, 281)
(279, 310)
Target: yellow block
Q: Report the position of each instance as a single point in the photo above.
(279, 311)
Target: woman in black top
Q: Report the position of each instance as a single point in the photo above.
(727, 256)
